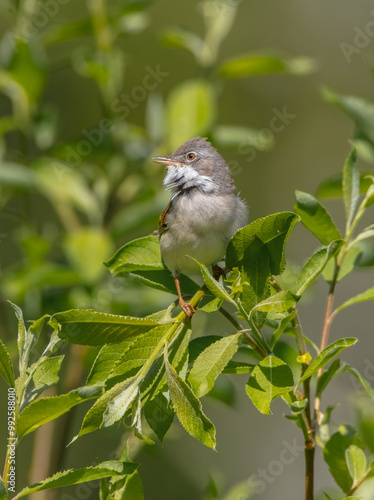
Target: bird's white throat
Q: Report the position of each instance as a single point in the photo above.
(181, 177)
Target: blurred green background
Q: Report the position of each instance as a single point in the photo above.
(89, 92)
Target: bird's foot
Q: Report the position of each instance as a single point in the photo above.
(187, 308)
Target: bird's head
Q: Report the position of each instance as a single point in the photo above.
(196, 163)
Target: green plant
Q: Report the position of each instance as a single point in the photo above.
(96, 189)
(150, 367)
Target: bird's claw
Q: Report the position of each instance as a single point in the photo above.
(187, 308)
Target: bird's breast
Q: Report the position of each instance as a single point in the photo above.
(200, 225)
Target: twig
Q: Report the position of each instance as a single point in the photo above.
(326, 331)
(239, 327)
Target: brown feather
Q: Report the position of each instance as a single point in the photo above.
(162, 221)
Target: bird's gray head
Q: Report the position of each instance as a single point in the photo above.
(196, 164)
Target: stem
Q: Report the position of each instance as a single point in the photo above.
(301, 346)
(359, 482)
(181, 318)
(230, 318)
(359, 214)
(330, 303)
(239, 327)
(309, 470)
(309, 443)
(326, 328)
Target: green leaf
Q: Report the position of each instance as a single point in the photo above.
(163, 280)
(327, 376)
(365, 384)
(315, 217)
(369, 197)
(211, 362)
(358, 109)
(326, 355)
(242, 491)
(77, 476)
(255, 275)
(365, 254)
(45, 375)
(273, 230)
(315, 265)
(332, 187)
(238, 367)
(270, 379)
(366, 233)
(190, 110)
(277, 303)
(259, 64)
(351, 186)
(256, 266)
(13, 174)
(365, 416)
(106, 360)
(6, 365)
(136, 420)
(211, 306)
(111, 406)
(142, 254)
(183, 39)
(242, 139)
(44, 410)
(159, 414)
(298, 406)
(88, 327)
(134, 357)
(356, 462)
(213, 285)
(361, 297)
(37, 326)
(24, 67)
(155, 381)
(351, 260)
(63, 185)
(86, 249)
(188, 408)
(334, 455)
(131, 490)
(22, 333)
(280, 329)
(198, 345)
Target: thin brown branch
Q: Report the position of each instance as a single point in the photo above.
(309, 470)
(325, 333)
(239, 327)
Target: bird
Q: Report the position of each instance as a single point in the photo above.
(203, 213)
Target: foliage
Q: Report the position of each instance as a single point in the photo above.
(148, 370)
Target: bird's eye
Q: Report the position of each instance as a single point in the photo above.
(190, 156)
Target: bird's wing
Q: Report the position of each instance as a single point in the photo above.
(162, 221)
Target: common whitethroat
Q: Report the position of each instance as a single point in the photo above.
(203, 213)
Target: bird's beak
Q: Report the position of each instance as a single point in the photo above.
(164, 160)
